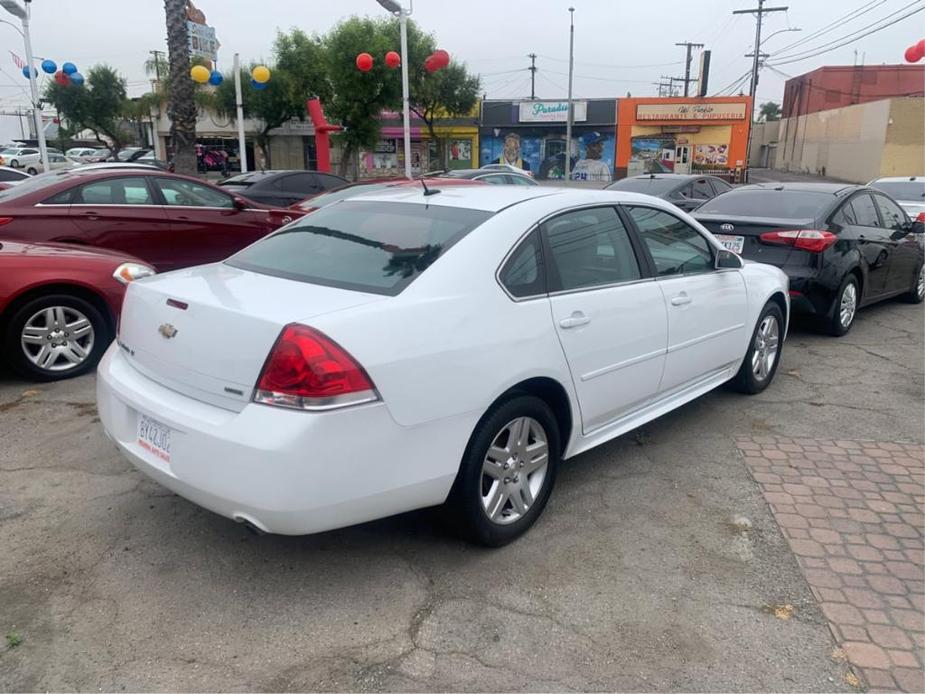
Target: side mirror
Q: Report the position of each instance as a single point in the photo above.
(727, 260)
(240, 203)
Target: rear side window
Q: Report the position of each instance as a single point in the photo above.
(845, 215)
(181, 193)
(591, 248)
(378, 247)
(702, 189)
(864, 211)
(524, 274)
(114, 191)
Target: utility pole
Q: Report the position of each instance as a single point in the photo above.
(157, 63)
(759, 12)
(532, 69)
(687, 64)
(569, 115)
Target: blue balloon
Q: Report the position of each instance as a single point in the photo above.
(49, 66)
(77, 79)
(215, 78)
(26, 69)
(258, 85)
(69, 68)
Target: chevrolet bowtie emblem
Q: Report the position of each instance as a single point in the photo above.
(167, 330)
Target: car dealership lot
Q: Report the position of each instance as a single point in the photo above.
(637, 576)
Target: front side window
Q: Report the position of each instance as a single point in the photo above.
(114, 191)
(676, 247)
(892, 214)
(180, 193)
(373, 246)
(523, 274)
(864, 211)
(591, 248)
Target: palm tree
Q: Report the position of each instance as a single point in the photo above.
(769, 111)
(181, 107)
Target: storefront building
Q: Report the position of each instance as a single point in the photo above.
(531, 135)
(682, 135)
(458, 146)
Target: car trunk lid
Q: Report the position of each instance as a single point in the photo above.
(751, 229)
(207, 331)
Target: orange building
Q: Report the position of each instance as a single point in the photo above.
(681, 135)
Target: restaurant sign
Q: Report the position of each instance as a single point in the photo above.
(552, 111)
(718, 111)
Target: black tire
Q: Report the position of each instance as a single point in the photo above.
(72, 306)
(917, 293)
(14, 163)
(834, 325)
(747, 380)
(32, 171)
(465, 510)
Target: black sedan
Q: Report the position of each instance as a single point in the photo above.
(686, 191)
(843, 246)
(281, 188)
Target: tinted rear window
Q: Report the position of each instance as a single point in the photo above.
(378, 247)
(649, 186)
(780, 204)
(902, 190)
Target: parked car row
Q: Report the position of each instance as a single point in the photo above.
(507, 326)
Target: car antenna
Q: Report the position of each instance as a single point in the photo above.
(428, 191)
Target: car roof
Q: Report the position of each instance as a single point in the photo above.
(899, 179)
(803, 186)
(669, 176)
(496, 198)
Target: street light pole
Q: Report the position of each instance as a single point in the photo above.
(16, 9)
(239, 106)
(568, 115)
(397, 9)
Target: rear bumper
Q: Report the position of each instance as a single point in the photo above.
(284, 471)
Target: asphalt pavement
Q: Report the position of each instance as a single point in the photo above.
(658, 564)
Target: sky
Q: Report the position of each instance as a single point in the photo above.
(621, 46)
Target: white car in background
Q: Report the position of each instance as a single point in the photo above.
(56, 162)
(908, 191)
(79, 153)
(409, 348)
(20, 157)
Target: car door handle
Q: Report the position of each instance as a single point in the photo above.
(92, 216)
(680, 299)
(576, 319)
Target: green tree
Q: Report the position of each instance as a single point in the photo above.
(271, 106)
(181, 105)
(447, 93)
(359, 97)
(303, 58)
(768, 111)
(100, 105)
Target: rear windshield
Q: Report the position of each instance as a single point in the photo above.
(779, 204)
(902, 190)
(342, 193)
(378, 247)
(34, 183)
(649, 186)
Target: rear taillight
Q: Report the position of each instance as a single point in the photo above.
(811, 240)
(306, 370)
(920, 217)
(5, 220)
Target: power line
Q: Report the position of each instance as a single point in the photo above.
(600, 79)
(844, 19)
(608, 65)
(799, 58)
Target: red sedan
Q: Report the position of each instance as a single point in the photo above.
(59, 305)
(167, 220)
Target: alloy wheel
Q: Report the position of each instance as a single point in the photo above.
(57, 338)
(767, 340)
(514, 470)
(920, 285)
(849, 304)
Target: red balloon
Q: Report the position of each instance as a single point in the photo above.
(364, 62)
(392, 59)
(62, 79)
(441, 57)
(913, 54)
(430, 65)
(921, 45)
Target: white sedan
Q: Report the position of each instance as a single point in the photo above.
(405, 349)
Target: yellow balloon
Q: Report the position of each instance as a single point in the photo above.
(261, 74)
(199, 74)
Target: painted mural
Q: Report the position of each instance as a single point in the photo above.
(651, 154)
(542, 152)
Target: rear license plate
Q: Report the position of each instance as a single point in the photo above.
(731, 243)
(154, 437)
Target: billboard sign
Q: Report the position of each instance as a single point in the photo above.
(551, 111)
(683, 111)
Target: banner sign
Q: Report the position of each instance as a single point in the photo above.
(202, 41)
(733, 111)
(552, 111)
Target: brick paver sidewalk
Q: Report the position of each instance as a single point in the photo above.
(852, 512)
